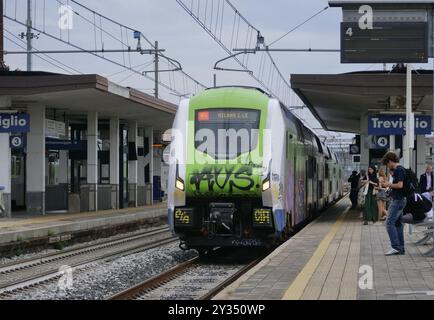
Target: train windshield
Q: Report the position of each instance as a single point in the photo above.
(226, 133)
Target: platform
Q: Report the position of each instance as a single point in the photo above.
(28, 228)
(323, 261)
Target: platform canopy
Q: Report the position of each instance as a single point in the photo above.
(75, 95)
(341, 102)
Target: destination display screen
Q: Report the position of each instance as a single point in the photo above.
(228, 115)
(387, 42)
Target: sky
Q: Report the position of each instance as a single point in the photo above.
(184, 40)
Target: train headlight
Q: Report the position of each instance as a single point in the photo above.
(266, 185)
(180, 185)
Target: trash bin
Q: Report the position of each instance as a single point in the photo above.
(148, 194)
(157, 188)
(74, 203)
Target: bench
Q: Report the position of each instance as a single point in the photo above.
(428, 234)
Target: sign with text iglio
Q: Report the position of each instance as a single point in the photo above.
(396, 125)
(14, 122)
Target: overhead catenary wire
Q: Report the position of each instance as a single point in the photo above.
(241, 33)
(45, 55)
(100, 25)
(299, 25)
(38, 56)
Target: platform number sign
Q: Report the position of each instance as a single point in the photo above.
(17, 141)
(382, 142)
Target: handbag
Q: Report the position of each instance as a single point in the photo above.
(366, 190)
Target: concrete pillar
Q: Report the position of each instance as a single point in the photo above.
(92, 160)
(421, 155)
(5, 173)
(392, 143)
(35, 162)
(364, 152)
(149, 160)
(114, 162)
(132, 166)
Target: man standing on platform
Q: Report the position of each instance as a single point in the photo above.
(394, 225)
(354, 180)
(426, 180)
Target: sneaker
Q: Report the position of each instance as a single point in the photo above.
(392, 252)
(365, 223)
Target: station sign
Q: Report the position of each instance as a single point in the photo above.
(386, 42)
(54, 129)
(386, 125)
(69, 145)
(14, 122)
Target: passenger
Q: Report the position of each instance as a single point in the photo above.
(394, 226)
(361, 195)
(354, 180)
(427, 180)
(382, 195)
(370, 210)
(417, 209)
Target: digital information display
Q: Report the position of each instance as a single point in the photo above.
(184, 217)
(262, 218)
(387, 42)
(225, 115)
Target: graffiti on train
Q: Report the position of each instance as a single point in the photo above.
(223, 179)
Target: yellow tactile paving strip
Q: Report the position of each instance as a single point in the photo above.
(75, 216)
(318, 266)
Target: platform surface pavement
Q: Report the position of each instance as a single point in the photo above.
(27, 227)
(323, 261)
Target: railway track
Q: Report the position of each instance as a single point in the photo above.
(32, 272)
(160, 281)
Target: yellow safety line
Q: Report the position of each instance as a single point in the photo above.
(296, 290)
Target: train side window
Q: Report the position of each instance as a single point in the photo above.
(327, 172)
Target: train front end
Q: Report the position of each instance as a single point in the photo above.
(219, 171)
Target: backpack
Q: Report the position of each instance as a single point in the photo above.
(418, 206)
(411, 184)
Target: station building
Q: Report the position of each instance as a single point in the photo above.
(79, 143)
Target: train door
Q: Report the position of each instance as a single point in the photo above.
(326, 183)
(301, 184)
(310, 177)
(320, 170)
(18, 180)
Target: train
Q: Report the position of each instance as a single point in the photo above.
(244, 171)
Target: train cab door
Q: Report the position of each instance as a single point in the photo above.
(291, 156)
